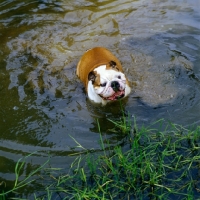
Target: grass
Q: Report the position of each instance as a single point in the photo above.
(151, 164)
(18, 184)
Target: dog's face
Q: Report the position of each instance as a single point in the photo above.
(108, 82)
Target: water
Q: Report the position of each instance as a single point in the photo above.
(43, 104)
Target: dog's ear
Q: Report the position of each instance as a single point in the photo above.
(112, 64)
(92, 76)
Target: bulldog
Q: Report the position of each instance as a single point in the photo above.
(102, 75)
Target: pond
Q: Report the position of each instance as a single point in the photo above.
(43, 105)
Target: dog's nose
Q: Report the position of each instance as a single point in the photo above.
(115, 85)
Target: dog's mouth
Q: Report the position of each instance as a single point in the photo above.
(117, 95)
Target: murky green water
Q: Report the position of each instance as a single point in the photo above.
(42, 102)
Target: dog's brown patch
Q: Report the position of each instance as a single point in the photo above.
(97, 81)
(95, 78)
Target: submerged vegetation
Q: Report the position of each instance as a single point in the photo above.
(151, 164)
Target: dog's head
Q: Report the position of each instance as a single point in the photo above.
(109, 82)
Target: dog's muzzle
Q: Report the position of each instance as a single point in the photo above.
(118, 93)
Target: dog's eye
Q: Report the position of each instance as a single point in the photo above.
(119, 77)
(103, 84)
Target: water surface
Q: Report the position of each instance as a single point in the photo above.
(43, 105)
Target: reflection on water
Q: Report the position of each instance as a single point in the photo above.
(43, 104)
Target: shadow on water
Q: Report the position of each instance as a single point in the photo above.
(44, 105)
